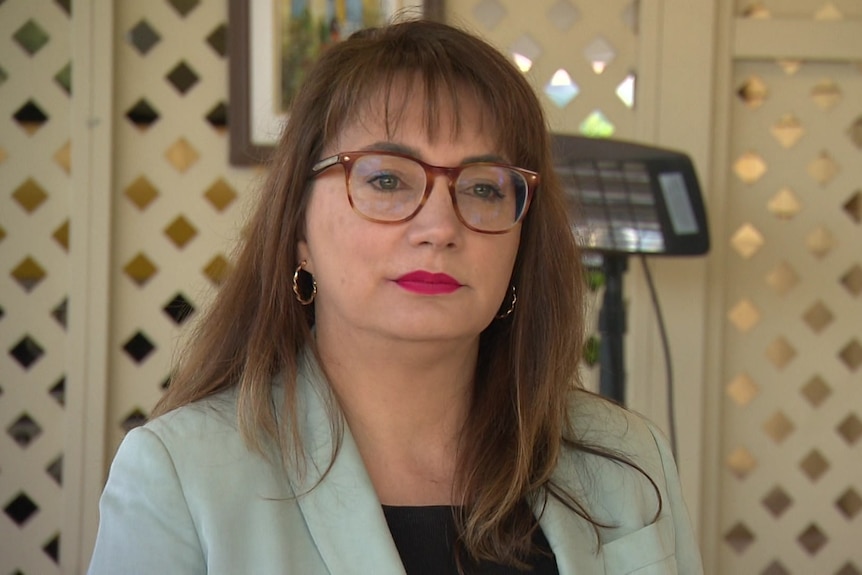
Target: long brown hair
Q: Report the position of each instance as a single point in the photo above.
(528, 363)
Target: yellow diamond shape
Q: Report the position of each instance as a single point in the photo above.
(784, 204)
(30, 195)
(787, 130)
(217, 269)
(28, 273)
(61, 235)
(744, 315)
(220, 195)
(63, 157)
(823, 168)
(826, 94)
(742, 390)
(778, 427)
(820, 242)
(780, 353)
(3, 154)
(181, 155)
(747, 241)
(180, 232)
(782, 278)
(140, 269)
(741, 462)
(141, 192)
(750, 167)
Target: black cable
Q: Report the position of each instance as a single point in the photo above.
(671, 410)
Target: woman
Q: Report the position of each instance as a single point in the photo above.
(388, 380)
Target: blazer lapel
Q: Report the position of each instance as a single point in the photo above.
(342, 511)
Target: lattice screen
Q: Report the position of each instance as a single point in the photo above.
(177, 205)
(35, 85)
(792, 485)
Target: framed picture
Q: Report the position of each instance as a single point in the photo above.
(272, 45)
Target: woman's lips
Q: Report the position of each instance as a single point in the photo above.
(428, 283)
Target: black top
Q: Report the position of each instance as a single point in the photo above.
(425, 538)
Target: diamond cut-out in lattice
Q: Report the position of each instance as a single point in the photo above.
(784, 204)
(742, 390)
(181, 155)
(851, 355)
(524, 52)
(3, 76)
(182, 77)
(29, 195)
(812, 539)
(135, 418)
(28, 273)
(820, 242)
(561, 89)
(142, 115)
(854, 132)
(183, 7)
(138, 347)
(220, 195)
(777, 501)
(60, 312)
(216, 270)
(63, 78)
(780, 353)
(828, 12)
(31, 37)
(141, 192)
(20, 509)
(753, 92)
(775, 568)
(61, 235)
(143, 37)
(179, 309)
(849, 503)
(749, 167)
(626, 90)
(778, 427)
(563, 15)
(24, 430)
(741, 462)
(818, 317)
(27, 351)
(217, 117)
(747, 241)
(755, 10)
(849, 569)
(63, 157)
(823, 168)
(852, 280)
(814, 465)
(489, 13)
(739, 537)
(66, 5)
(2, 233)
(744, 315)
(58, 391)
(55, 470)
(180, 232)
(52, 548)
(599, 53)
(789, 67)
(30, 117)
(787, 130)
(597, 125)
(853, 206)
(140, 269)
(217, 40)
(850, 429)
(826, 93)
(816, 391)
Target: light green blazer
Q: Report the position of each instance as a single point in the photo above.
(185, 496)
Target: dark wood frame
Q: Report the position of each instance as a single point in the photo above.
(243, 152)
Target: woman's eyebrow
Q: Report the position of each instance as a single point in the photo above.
(402, 149)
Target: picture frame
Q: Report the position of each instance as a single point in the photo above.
(255, 56)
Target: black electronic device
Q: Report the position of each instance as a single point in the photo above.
(625, 199)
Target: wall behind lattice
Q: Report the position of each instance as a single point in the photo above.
(792, 428)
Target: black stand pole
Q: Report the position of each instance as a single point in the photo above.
(612, 327)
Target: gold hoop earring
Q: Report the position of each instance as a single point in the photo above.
(511, 310)
(297, 279)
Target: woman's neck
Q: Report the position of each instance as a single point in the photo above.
(405, 404)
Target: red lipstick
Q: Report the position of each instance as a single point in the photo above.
(428, 283)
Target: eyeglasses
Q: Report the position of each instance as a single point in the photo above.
(388, 187)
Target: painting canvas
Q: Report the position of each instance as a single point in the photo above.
(274, 44)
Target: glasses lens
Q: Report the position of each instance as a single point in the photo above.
(386, 188)
(491, 198)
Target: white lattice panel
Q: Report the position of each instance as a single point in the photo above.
(34, 196)
(792, 428)
(177, 203)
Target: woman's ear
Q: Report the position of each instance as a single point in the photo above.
(303, 254)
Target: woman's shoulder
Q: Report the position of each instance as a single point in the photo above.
(600, 422)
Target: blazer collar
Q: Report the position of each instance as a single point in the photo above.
(345, 517)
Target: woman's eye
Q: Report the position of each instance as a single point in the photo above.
(486, 191)
(384, 182)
